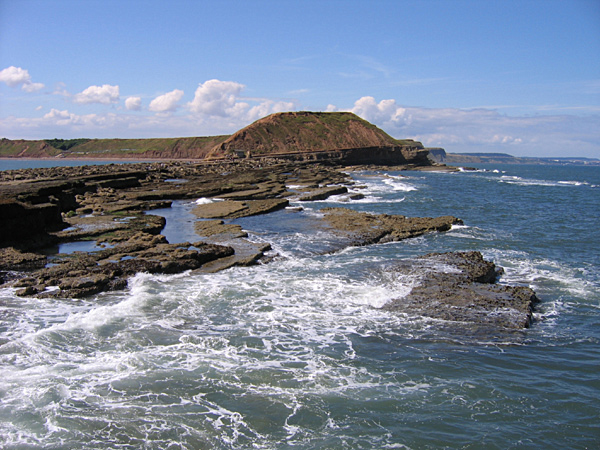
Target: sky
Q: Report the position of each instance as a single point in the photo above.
(519, 77)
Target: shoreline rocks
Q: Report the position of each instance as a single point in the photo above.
(365, 229)
(461, 287)
(108, 205)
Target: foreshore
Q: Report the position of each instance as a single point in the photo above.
(109, 205)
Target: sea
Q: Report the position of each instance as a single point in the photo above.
(299, 353)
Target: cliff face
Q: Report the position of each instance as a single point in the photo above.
(26, 149)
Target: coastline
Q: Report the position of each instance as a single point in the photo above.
(114, 209)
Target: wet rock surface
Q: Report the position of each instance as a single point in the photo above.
(82, 274)
(461, 287)
(234, 209)
(108, 204)
(361, 228)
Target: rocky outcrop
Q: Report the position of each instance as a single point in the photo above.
(82, 274)
(461, 287)
(108, 204)
(21, 222)
(361, 228)
(323, 193)
(233, 209)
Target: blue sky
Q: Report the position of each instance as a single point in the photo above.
(519, 77)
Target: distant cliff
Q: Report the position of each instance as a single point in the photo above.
(439, 155)
(159, 148)
(340, 136)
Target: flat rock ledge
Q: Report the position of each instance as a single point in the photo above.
(362, 228)
(86, 273)
(461, 287)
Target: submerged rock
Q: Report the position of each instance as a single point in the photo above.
(323, 193)
(461, 287)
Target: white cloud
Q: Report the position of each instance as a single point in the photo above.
(220, 103)
(32, 87)
(104, 94)
(267, 107)
(484, 130)
(15, 76)
(60, 117)
(166, 102)
(216, 98)
(133, 103)
(386, 111)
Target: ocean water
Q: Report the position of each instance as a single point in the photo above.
(299, 354)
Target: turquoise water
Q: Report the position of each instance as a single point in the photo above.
(298, 354)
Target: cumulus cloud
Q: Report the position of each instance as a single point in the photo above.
(483, 130)
(15, 76)
(61, 117)
(267, 107)
(386, 111)
(104, 94)
(166, 102)
(220, 103)
(133, 103)
(216, 98)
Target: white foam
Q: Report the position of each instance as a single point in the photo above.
(511, 179)
(204, 201)
(397, 185)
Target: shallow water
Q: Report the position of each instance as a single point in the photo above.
(299, 354)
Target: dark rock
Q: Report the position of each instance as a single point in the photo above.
(20, 222)
(460, 287)
(11, 258)
(219, 229)
(83, 274)
(323, 193)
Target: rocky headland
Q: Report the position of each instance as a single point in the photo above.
(111, 207)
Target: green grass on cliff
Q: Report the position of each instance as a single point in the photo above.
(119, 148)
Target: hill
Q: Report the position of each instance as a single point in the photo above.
(306, 131)
(339, 136)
